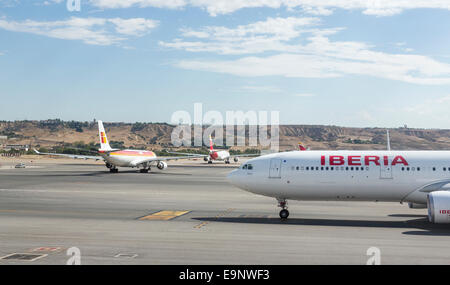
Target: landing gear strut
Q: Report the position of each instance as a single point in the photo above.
(284, 213)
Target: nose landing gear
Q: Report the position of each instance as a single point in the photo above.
(284, 213)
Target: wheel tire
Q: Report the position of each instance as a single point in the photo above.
(209, 162)
(284, 214)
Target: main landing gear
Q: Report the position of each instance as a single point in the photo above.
(144, 170)
(227, 161)
(112, 168)
(284, 213)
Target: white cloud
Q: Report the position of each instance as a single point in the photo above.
(434, 109)
(50, 2)
(302, 95)
(8, 3)
(133, 27)
(261, 89)
(94, 31)
(112, 4)
(269, 35)
(316, 7)
(366, 116)
(296, 47)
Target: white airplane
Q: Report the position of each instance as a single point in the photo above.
(218, 155)
(421, 178)
(114, 158)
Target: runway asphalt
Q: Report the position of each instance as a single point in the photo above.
(189, 214)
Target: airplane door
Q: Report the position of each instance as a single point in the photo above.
(275, 168)
(385, 172)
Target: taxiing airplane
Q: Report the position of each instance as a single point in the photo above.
(218, 155)
(114, 158)
(421, 178)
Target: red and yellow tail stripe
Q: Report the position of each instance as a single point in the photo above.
(103, 137)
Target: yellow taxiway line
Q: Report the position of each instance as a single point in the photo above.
(164, 215)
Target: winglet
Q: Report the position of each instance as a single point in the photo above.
(36, 151)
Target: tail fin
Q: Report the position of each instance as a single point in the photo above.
(211, 145)
(104, 144)
(301, 147)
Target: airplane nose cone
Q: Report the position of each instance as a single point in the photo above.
(232, 178)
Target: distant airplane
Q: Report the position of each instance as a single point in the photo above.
(301, 147)
(114, 158)
(421, 178)
(217, 155)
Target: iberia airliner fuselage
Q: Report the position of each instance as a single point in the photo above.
(419, 177)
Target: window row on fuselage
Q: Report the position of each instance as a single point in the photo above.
(355, 168)
(329, 168)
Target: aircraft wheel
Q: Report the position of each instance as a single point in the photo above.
(209, 162)
(284, 214)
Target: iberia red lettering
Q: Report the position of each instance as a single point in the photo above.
(354, 160)
(399, 159)
(337, 160)
(375, 159)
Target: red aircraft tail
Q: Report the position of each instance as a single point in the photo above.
(211, 145)
(301, 147)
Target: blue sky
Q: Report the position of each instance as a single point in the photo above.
(350, 63)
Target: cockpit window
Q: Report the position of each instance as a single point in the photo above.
(244, 166)
(250, 167)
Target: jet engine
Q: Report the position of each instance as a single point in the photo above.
(108, 165)
(161, 165)
(439, 207)
(206, 158)
(236, 159)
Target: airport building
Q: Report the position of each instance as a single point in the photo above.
(3, 140)
(22, 147)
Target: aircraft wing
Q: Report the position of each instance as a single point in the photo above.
(443, 185)
(161, 158)
(189, 154)
(74, 156)
(246, 155)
